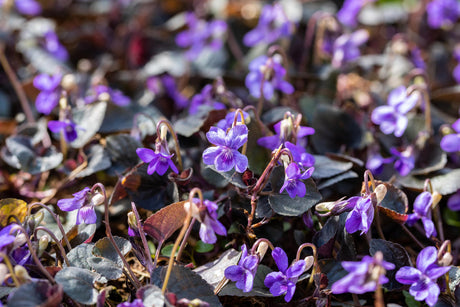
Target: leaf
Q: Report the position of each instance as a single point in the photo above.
(257, 155)
(79, 255)
(392, 201)
(151, 296)
(445, 183)
(12, 207)
(454, 278)
(333, 270)
(202, 247)
(19, 152)
(78, 284)
(106, 267)
(162, 224)
(37, 293)
(98, 160)
(200, 121)
(185, 283)
(431, 158)
(122, 151)
(258, 288)
(334, 128)
(104, 248)
(119, 119)
(393, 253)
(213, 272)
(222, 179)
(336, 179)
(89, 118)
(326, 167)
(410, 300)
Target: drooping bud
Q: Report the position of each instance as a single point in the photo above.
(21, 274)
(133, 230)
(42, 244)
(97, 199)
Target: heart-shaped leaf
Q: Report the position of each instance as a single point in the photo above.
(392, 201)
(37, 293)
(162, 224)
(151, 296)
(213, 272)
(200, 121)
(222, 179)
(104, 248)
(78, 284)
(258, 288)
(89, 119)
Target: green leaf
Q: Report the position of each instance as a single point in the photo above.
(410, 300)
(202, 247)
(167, 250)
(78, 284)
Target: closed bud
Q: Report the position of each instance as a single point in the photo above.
(262, 249)
(97, 199)
(133, 230)
(21, 274)
(3, 272)
(42, 244)
(436, 198)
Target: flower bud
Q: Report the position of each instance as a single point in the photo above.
(262, 249)
(133, 230)
(97, 199)
(436, 199)
(3, 272)
(21, 274)
(42, 244)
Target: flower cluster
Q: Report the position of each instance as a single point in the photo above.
(167, 85)
(273, 25)
(159, 160)
(200, 35)
(206, 214)
(244, 272)
(50, 92)
(348, 14)
(266, 74)
(84, 202)
(105, 93)
(451, 142)
(422, 211)
(205, 98)
(442, 13)
(346, 47)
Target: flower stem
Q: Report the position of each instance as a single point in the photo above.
(181, 235)
(16, 85)
(379, 301)
(108, 232)
(184, 240)
(235, 121)
(56, 218)
(58, 243)
(10, 268)
(412, 236)
(368, 175)
(257, 243)
(174, 135)
(260, 103)
(315, 261)
(144, 240)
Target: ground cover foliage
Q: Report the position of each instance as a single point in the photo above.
(229, 153)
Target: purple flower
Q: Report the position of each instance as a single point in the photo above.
(136, 303)
(26, 7)
(159, 160)
(442, 13)
(273, 24)
(269, 71)
(105, 93)
(49, 87)
(227, 122)
(284, 281)
(166, 84)
(53, 46)
(451, 142)
(207, 215)
(364, 275)
(423, 278)
(453, 203)
(292, 181)
(6, 238)
(416, 57)
(68, 127)
(361, 217)
(285, 132)
(346, 47)
(225, 155)
(375, 163)
(201, 35)
(350, 10)
(205, 98)
(392, 117)
(303, 159)
(84, 203)
(244, 272)
(456, 71)
(404, 161)
(422, 211)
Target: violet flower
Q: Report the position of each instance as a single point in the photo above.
(269, 71)
(206, 214)
(205, 98)
(159, 160)
(105, 93)
(375, 163)
(49, 87)
(68, 127)
(244, 272)
(346, 47)
(6, 238)
(292, 181)
(136, 303)
(392, 117)
(451, 142)
(442, 13)
(348, 14)
(225, 155)
(303, 159)
(285, 132)
(423, 278)
(422, 211)
(227, 122)
(364, 276)
(167, 85)
(53, 46)
(456, 71)
(26, 7)
(84, 202)
(361, 217)
(273, 25)
(404, 161)
(453, 203)
(200, 35)
(284, 281)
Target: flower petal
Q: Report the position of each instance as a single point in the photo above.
(296, 269)
(281, 259)
(216, 136)
(273, 277)
(87, 215)
(146, 154)
(408, 275)
(422, 203)
(241, 161)
(210, 154)
(234, 272)
(426, 257)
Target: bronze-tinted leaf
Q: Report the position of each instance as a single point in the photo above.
(162, 224)
(392, 201)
